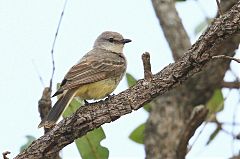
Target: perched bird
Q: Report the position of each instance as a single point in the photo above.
(95, 76)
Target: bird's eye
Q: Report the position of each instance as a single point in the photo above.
(111, 40)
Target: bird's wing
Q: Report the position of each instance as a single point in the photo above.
(93, 69)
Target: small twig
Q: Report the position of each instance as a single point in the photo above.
(5, 154)
(54, 41)
(198, 115)
(226, 57)
(147, 66)
(220, 127)
(219, 8)
(230, 85)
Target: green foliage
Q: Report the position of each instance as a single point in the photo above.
(216, 103)
(89, 145)
(130, 80)
(214, 134)
(30, 139)
(138, 134)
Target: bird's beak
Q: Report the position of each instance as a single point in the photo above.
(124, 41)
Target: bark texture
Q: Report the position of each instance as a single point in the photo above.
(86, 118)
(171, 112)
(44, 106)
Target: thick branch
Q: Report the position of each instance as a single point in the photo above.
(172, 26)
(89, 117)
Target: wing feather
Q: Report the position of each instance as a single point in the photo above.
(81, 81)
(92, 69)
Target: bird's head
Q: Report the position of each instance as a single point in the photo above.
(111, 41)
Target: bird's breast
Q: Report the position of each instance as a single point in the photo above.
(97, 90)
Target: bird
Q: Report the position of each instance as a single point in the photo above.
(95, 76)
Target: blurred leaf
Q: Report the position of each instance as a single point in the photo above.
(30, 139)
(214, 134)
(202, 25)
(130, 80)
(138, 134)
(216, 103)
(89, 145)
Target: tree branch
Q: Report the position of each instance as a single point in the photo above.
(54, 42)
(231, 85)
(89, 117)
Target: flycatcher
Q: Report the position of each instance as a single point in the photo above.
(95, 76)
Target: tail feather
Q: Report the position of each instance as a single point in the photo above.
(57, 109)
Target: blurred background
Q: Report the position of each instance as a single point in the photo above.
(27, 31)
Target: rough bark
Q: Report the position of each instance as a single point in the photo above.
(171, 111)
(44, 106)
(86, 118)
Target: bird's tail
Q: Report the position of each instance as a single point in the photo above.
(57, 109)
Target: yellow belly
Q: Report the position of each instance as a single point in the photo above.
(97, 90)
